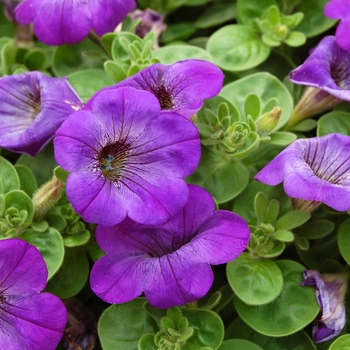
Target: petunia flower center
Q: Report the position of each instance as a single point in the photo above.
(164, 97)
(34, 102)
(340, 73)
(112, 159)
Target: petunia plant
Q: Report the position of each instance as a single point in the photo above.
(174, 174)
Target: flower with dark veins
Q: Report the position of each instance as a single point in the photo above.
(127, 158)
(330, 292)
(180, 87)
(168, 262)
(315, 169)
(59, 22)
(32, 107)
(29, 320)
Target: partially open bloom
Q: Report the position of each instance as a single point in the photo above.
(126, 158)
(170, 262)
(29, 320)
(315, 169)
(327, 72)
(180, 87)
(151, 21)
(32, 107)
(340, 9)
(59, 22)
(330, 292)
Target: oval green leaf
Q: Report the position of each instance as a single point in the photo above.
(255, 281)
(224, 178)
(50, 244)
(334, 122)
(9, 179)
(344, 240)
(121, 326)
(236, 48)
(291, 311)
(239, 344)
(72, 275)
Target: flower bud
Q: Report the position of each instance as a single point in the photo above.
(268, 121)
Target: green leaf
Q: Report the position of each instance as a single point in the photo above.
(224, 178)
(284, 236)
(9, 179)
(334, 122)
(35, 59)
(266, 86)
(147, 342)
(27, 179)
(87, 82)
(61, 174)
(341, 343)
(295, 39)
(260, 205)
(121, 326)
(178, 31)
(72, 275)
(76, 240)
(314, 21)
(293, 309)
(237, 48)
(272, 211)
(50, 244)
(292, 219)
(252, 105)
(297, 341)
(216, 15)
(315, 229)
(344, 240)
(41, 165)
(174, 53)
(304, 125)
(248, 11)
(114, 71)
(20, 200)
(282, 138)
(239, 344)
(254, 281)
(68, 59)
(208, 329)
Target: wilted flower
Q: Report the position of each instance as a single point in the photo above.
(314, 169)
(59, 22)
(170, 262)
(340, 9)
(180, 87)
(330, 292)
(29, 320)
(127, 158)
(326, 71)
(32, 107)
(151, 21)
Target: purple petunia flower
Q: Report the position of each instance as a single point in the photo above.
(32, 107)
(170, 262)
(180, 87)
(330, 292)
(326, 71)
(314, 169)
(29, 320)
(59, 22)
(127, 158)
(340, 9)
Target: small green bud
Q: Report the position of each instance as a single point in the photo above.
(46, 197)
(268, 121)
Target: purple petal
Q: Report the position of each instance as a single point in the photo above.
(330, 291)
(32, 322)
(17, 275)
(338, 9)
(32, 107)
(342, 34)
(176, 279)
(96, 199)
(107, 14)
(118, 279)
(316, 169)
(56, 22)
(222, 238)
(326, 69)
